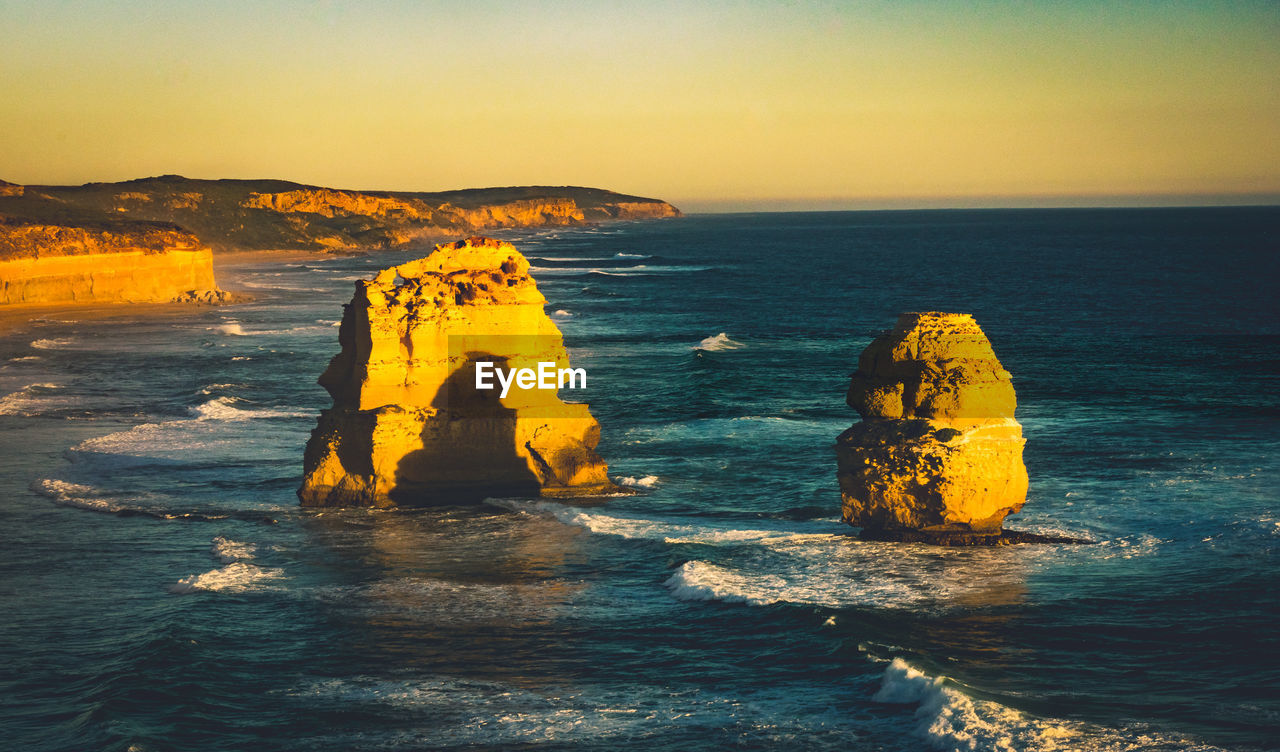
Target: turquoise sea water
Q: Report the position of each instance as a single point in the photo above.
(163, 591)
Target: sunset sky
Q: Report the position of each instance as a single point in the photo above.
(711, 105)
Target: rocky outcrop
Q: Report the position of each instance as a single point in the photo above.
(938, 454)
(408, 424)
(326, 202)
(237, 215)
(548, 212)
(633, 210)
(118, 263)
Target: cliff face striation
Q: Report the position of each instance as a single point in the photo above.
(277, 214)
(115, 262)
(938, 454)
(409, 425)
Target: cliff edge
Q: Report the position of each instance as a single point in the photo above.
(109, 262)
(409, 423)
(240, 215)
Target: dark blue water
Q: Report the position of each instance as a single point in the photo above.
(163, 591)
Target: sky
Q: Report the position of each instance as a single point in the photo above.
(715, 106)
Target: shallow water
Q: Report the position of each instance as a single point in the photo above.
(165, 592)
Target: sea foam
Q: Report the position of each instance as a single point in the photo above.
(236, 577)
(227, 551)
(647, 481)
(35, 399)
(720, 341)
(948, 719)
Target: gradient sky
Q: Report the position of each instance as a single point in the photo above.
(712, 105)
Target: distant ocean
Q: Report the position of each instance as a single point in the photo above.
(163, 591)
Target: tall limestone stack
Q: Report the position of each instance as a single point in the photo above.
(938, 454)
(409, 425)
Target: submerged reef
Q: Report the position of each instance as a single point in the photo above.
(410, 424)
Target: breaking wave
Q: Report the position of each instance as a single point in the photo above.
(34, 399)
(237, 577)
(227, 551)
(87, 497)
(52, 344)
(235, 329)
(647, 481)
(948, 719)
(672, 531)
(224, 408)
(719, 342)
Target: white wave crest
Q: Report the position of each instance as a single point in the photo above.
(74, 495)
(632, 255)
(211, 388)
(34, 399)
(563, 259)
(237, 577)
(647, 481)
(947, 719)
(701, 581)
(235, 329)
(720, 341)
(224, 408)
(670, 531)
(228, 551)
(52, 344)
(216, 428)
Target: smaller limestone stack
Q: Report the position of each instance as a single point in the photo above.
(938, 454)
(408, 425)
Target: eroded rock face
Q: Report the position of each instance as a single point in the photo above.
(409, 426)
(938, 454)
(42, 263)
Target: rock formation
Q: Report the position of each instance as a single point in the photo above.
(408, 425)
(133, 262)
(938, 454)
(279, 215)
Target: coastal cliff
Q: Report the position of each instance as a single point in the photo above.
(409, 424)
(237, 215)
(937, 456)
(116, 262)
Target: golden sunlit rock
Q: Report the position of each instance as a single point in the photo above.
(938, 454)
(409, 425)
(131, 262)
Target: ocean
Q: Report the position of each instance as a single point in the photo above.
(162, 589)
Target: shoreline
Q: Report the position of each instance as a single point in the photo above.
(18, 317)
